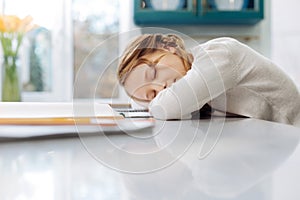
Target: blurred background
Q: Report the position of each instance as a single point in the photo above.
(69, 33)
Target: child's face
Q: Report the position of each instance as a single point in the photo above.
(144, 82)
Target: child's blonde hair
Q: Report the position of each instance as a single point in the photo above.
(147, 44)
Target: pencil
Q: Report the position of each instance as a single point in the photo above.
(58, 121)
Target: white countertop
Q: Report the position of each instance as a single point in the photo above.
(192, 159)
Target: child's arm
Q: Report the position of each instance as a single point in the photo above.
(253, 86)
(212, 73)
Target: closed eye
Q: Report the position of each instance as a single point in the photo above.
(154, 72)
(151, 73)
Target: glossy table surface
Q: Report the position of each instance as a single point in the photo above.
(190, 159)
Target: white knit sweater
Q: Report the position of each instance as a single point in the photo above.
(234, 78)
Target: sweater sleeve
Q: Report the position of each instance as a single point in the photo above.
(212, 73)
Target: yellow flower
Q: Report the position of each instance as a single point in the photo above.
(12, 28)
(13, 24)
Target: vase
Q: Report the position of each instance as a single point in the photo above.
(11, 87)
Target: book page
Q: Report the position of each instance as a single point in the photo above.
(33, 110)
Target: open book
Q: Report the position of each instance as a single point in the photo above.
(64, 116)
(52, 113)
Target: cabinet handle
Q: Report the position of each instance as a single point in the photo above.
(203, 6)
(195, 7)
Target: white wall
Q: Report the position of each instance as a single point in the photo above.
(285, 30)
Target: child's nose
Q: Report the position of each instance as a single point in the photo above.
(158, 87)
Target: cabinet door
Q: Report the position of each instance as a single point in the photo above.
(230, 11)
(164, 11)
(184, 12)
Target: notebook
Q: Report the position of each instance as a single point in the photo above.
(134, 112)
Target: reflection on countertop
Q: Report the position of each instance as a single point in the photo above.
(190, 159)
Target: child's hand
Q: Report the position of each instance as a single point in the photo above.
(175, 102)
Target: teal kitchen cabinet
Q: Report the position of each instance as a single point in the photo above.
(192, 12)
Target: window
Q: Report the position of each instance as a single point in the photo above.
(46, 52)
(95, 22)
(66, 45)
